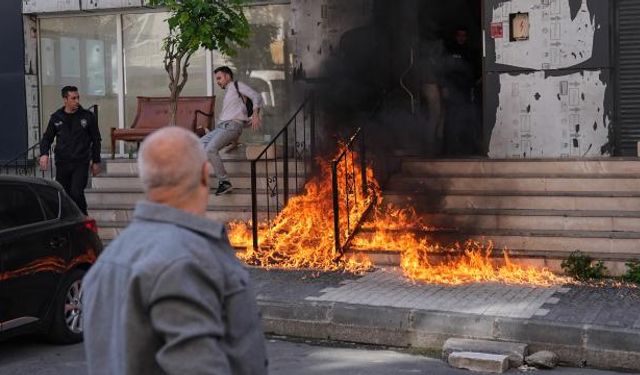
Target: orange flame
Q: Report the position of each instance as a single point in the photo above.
(302, 236)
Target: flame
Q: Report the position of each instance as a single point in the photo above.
(302, 236)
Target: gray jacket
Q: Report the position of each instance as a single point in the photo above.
(169, 296)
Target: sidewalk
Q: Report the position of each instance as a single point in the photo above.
(586, 325)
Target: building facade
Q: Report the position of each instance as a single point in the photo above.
(558, 76)
(112, 51)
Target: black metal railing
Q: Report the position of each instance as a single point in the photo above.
(354, 200)
(350, 190)
(27, 162)
(286, 159)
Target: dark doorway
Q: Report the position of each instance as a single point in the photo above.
(446, 75)
(423, 61)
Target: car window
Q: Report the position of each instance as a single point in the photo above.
(18, 206)
(69, 209)
(50, 200)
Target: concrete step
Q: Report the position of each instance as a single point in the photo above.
(124, 213)
(233, 166)
(533, 220)
(514, 350)
(587, 183)
(242, 181)
(238, 197)
(513, 167)
(539, 248)
(563, 201)
(480, 362)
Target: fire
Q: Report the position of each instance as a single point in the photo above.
(301, 236)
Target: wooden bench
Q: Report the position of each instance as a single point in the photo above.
(194, 113)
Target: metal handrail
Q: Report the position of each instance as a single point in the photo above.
(342, 157)
(307, 109)
(21, 163)
(358, 135)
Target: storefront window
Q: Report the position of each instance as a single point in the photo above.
(79, 51)
(265, 66)
(143, 56)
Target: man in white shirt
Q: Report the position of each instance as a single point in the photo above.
(233, 118)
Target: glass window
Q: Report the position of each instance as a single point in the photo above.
(265, 66)
(80, 51)
(18, 206)
(50, 201)
(144, 69)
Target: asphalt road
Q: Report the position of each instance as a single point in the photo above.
(29, 355)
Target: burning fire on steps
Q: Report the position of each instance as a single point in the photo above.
(301, 236)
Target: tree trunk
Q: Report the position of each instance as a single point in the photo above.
(178, 76)
(173, 109)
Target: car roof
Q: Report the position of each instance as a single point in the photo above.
(30, 180)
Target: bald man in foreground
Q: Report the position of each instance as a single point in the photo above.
(168, 296)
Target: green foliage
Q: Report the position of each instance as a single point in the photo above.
(582, 267)
(633, 271)
(212, 24)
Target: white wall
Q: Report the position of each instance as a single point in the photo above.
(552, 112)
(541, 116)
(556, 41)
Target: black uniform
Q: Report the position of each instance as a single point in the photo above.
(78, 142)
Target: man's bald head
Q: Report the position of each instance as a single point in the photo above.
(171, 158)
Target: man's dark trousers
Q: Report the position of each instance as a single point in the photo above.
(73, 177)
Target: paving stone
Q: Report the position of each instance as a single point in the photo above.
(480, 362)
(541, 312)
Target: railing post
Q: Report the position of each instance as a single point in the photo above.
(285, 166)
(312, 126)
(363, 165)
(336, 206)
(254, 206)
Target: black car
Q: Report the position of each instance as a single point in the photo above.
(46, 247)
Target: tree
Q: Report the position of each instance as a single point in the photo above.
(211, 24)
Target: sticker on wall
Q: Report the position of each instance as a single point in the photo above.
(541, 116)
(497, 30)
(544, 34)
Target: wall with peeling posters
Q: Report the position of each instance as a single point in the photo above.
(548, 82)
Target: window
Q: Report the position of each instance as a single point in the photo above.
(265, 66)
(79, 51)
(18, 206)
(143, 60)
(50, 200)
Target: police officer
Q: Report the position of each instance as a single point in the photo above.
(77, 148)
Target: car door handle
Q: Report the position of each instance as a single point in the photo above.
(57, 242)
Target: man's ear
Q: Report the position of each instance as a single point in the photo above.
(204, 178)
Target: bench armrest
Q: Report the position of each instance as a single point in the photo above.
(195, 119)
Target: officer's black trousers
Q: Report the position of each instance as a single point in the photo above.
(73, 177)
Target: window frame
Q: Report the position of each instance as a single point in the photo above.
(44, 221)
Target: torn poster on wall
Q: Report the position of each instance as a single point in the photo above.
(558, 38)
(541, 116)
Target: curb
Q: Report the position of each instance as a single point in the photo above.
(576, 345)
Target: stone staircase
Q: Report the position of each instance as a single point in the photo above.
(541, 210)
(111, 196)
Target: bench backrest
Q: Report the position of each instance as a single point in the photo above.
(153, 112)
